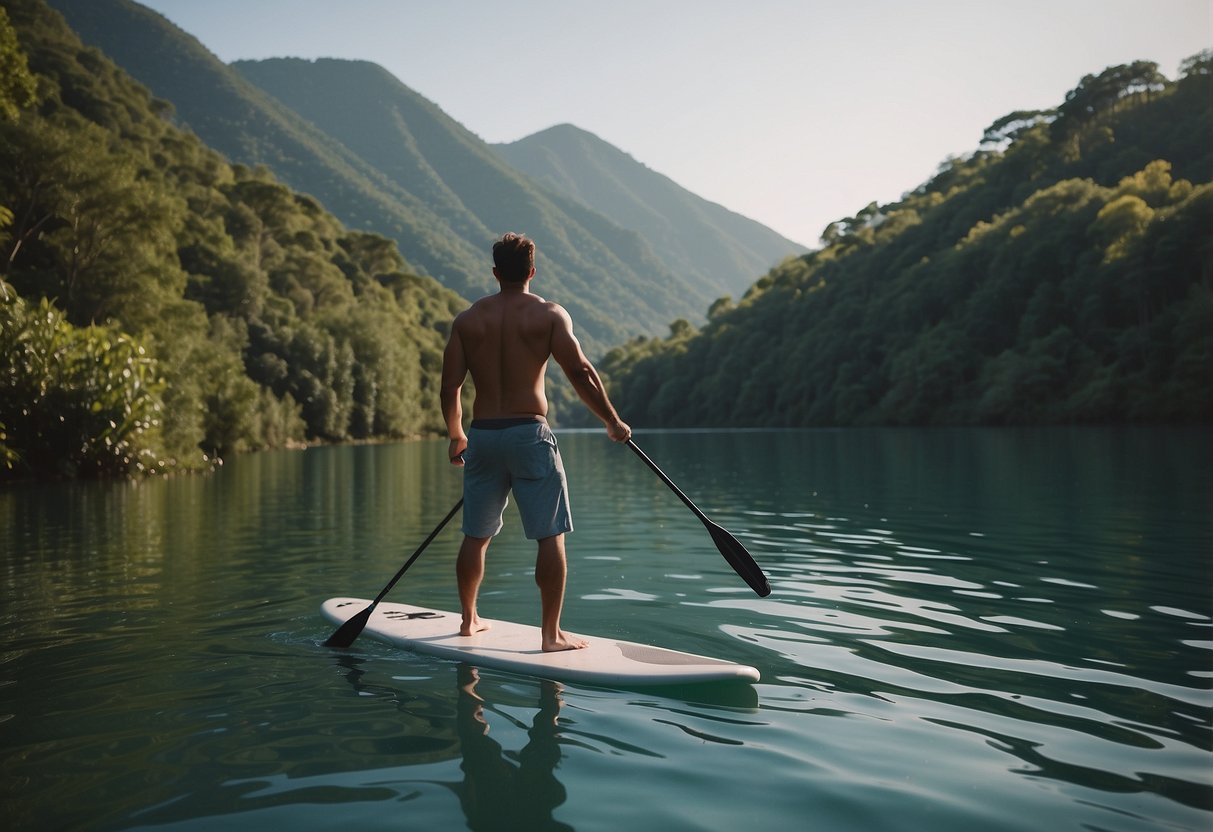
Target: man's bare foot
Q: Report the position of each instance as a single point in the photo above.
(475, 625)
(564, 641)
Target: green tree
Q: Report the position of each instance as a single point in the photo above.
(95, 236)
(76, 401)
(17, 84)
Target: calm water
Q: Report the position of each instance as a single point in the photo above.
(995, 630)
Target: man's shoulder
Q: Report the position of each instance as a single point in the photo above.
(475, 310)
(538, 306)
(551, 307)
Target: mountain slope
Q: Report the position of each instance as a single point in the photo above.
(159, 306)
(691, 235)
(605, 275)
(1062, 274)
(248, 126)
(400, 168)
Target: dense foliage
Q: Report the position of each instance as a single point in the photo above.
(77, 400)
(159, 306)
(1061, 273)
(17, 85)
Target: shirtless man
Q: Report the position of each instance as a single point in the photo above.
(504, 341)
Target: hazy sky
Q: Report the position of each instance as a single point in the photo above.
(792, 112)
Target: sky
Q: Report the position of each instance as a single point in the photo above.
(794, 113)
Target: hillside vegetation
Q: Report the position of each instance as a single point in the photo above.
(160, 306)
(1062, 272)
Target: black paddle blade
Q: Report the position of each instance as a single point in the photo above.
(345, 634)
(741, 561)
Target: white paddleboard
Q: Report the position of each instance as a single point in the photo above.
(515, 648)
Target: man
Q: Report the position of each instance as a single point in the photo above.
(504, 341)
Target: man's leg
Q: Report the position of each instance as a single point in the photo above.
(551, 569)
(469, 570)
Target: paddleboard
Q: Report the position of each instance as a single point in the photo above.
(515, 648)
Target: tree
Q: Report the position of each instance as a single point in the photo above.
(1010, 127)
(1099, 94)
(1199, 64)
(17, 85)
(76, 401)
(95, 235)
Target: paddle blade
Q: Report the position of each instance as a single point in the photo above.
(741, 561)
(345, 634)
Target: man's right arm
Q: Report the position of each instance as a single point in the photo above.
(566, 349)
(454, 371)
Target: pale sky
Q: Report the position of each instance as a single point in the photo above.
(794, 113)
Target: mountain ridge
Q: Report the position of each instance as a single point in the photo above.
(601, 272)
(726, 249)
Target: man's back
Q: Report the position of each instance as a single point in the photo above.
(506, 340)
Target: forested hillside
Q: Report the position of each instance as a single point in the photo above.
(250, 127)
(384, 159)
(691, 235)
(1062, 272)
(607, 277)
(159, 306)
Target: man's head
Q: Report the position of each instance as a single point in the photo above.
(514, 258)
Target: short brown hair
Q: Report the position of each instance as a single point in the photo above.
(514, 257)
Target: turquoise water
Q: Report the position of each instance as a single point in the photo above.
(969, 629)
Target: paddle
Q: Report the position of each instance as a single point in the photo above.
(351, 629)
(737, 556)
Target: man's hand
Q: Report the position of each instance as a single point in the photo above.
(618, 431)
(458, 446)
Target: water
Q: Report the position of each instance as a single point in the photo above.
(996, 630)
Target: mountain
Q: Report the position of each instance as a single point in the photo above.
(605, 275)
(248, 126)
(691, 235)
(1060, 273)
(384, 159)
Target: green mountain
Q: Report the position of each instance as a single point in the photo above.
(1060, 273)
(159, 305)
(384, 159)
(606, 276)
(691, 235)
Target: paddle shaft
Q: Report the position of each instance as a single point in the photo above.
(703, 517)
(416, 554)
(350, 630)
(730, 547)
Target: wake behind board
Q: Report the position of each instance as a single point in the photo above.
(515, 648)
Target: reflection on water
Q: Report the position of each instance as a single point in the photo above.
(969, 629)
(501, 790)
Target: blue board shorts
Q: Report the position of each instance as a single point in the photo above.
(518, 455)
